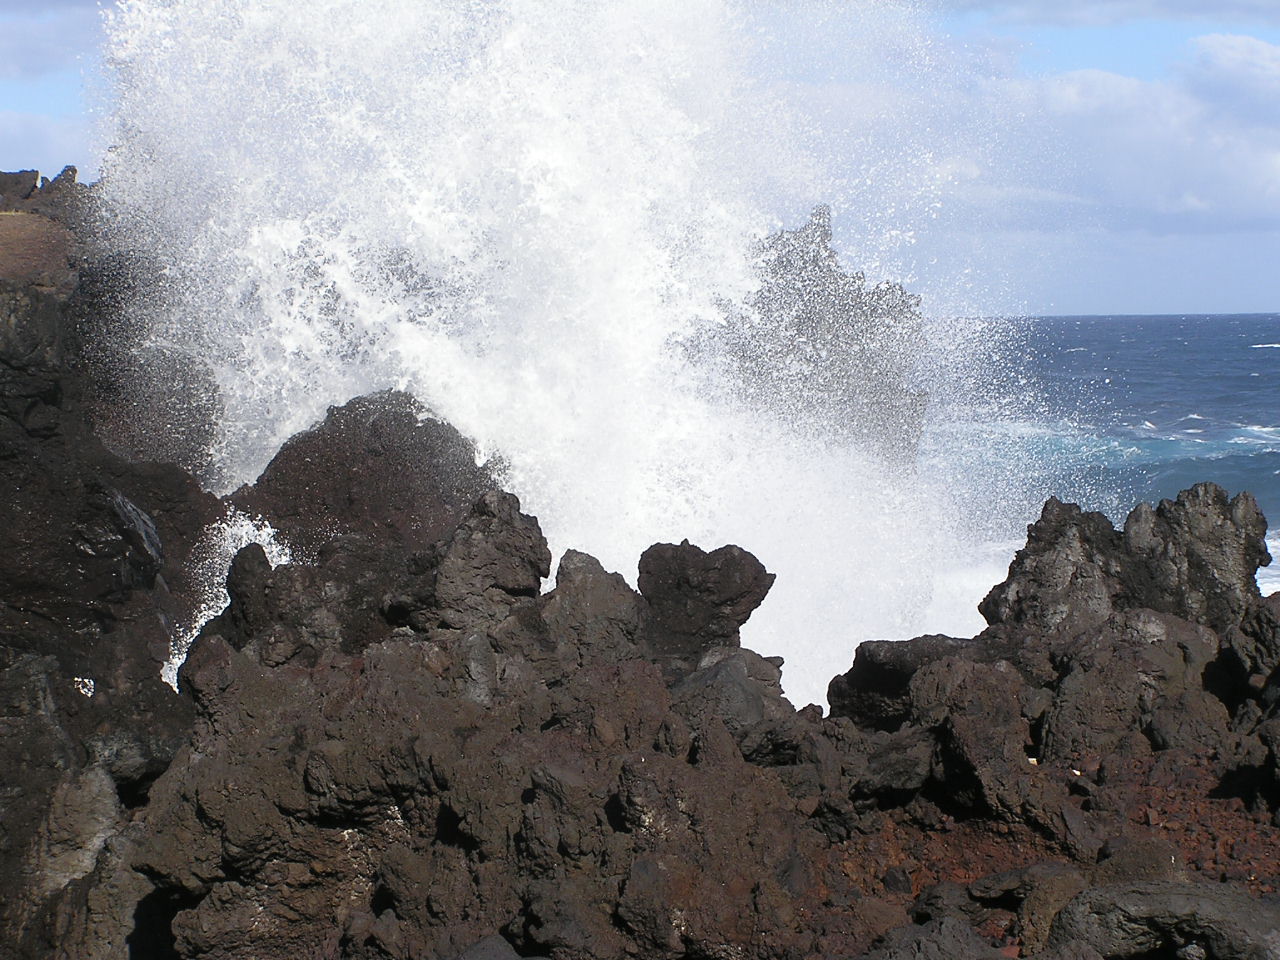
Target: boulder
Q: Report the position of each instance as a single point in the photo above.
(379, 466)
(698, 600)
(1203, 920)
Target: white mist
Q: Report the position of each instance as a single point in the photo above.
(513, 209)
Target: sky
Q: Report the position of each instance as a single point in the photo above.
(1154, 182)
(1033, 156)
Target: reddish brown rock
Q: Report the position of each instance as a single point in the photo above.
(401, 747)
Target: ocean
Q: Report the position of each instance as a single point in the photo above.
(1138, 408)
(1103, 411)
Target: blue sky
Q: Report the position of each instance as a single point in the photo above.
(1092, 156)
(1154, 184)
(45, 49)
(1144, 48)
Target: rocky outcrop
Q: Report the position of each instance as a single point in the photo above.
(62, 199)
(401, 745)
(418, 754)
(1121, 694)
(94, 572)
(697, 601)
(379, 466)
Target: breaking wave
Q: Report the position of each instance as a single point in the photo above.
(519, 211)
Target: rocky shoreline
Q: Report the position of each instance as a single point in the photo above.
(398, 747)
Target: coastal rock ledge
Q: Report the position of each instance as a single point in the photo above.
(399, 747)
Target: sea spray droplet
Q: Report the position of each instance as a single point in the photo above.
(518, 211)
(211, 558)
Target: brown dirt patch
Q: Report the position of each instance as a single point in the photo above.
(35, 250)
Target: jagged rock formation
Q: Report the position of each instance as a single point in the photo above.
(60, 199)
(379, 467)
(93, 573)
(398, 746)
(1119, 701)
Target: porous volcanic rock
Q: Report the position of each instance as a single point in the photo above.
(468, 759)
(379, 466)
(1122, 694)
(63, 198)
(402, 746)
(442, 785)
(94, 572)
(698, 600)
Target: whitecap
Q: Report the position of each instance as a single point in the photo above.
(1257, 436)
(1264, 346)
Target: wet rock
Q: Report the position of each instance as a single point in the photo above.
(18, 186)
(1198, 555)
(463, 820)
(1194, 557)
(95, 572)
(592, 610)
(38, 254)
(1141, 671)
(378, 466)
(490, 948)
(739, 688)
(496, 558)
(876, 692)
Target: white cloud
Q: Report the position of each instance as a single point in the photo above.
(1199, 151)
(1240, 72)
(1194, 152)
(36, 44)
(1115, 11)
(958, 161)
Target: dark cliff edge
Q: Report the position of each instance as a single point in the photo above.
(401, 748)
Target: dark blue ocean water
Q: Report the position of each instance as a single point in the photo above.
(1107, 412)
(1155, 404)
(1139, 408)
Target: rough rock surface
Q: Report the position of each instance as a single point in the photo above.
(378, 466)
(93, 573)
(698, 600)
(399, 746)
